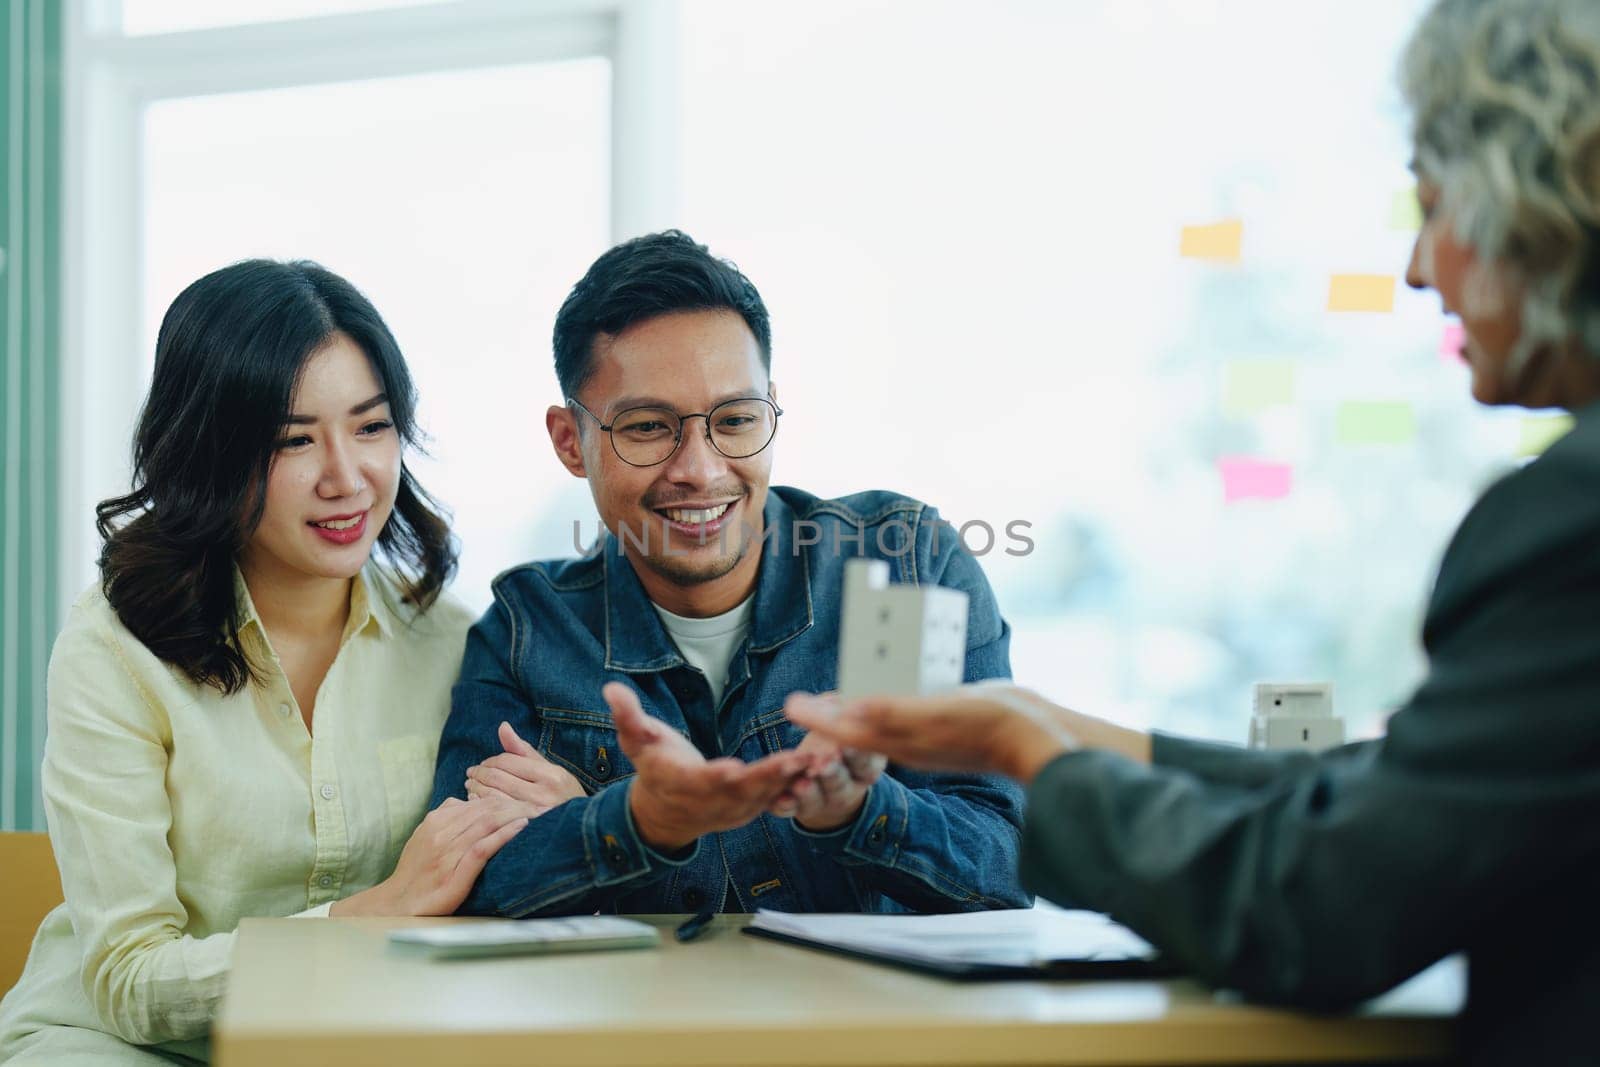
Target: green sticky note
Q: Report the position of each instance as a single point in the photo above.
(1404, 212)
(1539, 432)
(1252, 385)
(1369, 422)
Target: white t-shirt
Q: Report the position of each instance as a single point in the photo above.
(708, 644)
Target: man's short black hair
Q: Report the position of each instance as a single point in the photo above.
(657, 274)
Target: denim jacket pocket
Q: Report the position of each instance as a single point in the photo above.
(775, 732)
(585, 743)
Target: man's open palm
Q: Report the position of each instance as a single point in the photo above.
(678, 794)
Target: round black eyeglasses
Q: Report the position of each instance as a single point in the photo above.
(646, 436)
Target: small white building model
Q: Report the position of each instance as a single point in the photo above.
(900, 640)
(1295, 716)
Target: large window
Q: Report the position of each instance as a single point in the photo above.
(462, 166)
(139, 17)
(1067, 271)
(967, 220)
(463, 204)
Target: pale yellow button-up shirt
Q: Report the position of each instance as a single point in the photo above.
(176, 811)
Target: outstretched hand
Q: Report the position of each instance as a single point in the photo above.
(835, 784)
(985, 728)
(678, 795)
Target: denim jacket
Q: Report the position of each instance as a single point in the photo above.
(559, 630)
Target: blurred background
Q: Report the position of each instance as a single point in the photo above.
(1124, 271)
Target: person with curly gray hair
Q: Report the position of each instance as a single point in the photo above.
(1474, 824)
(1506, 98)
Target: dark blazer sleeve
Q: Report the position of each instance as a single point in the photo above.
(1324, 880)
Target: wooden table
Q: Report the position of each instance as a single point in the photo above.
(333, 991)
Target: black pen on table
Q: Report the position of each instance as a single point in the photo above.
(694, 927)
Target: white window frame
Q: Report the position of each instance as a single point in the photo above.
(111, 77)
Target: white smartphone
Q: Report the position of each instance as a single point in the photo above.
(523, 937)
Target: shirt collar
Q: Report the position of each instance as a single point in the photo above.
(369, 606)
(636, 640)
(244, 608)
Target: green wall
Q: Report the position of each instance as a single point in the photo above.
(30, 127)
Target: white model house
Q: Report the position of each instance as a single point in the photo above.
(899, 639)
(1295, 716)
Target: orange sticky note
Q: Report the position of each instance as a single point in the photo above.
(1220, 242)
(1361, 292)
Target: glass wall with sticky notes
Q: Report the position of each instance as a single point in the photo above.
(1131, 272)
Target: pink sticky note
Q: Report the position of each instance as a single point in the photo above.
(1244, 478)
(1450, 345)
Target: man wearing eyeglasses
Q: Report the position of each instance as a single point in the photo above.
(632, 699)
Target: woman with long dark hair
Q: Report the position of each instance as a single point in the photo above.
(243, 713)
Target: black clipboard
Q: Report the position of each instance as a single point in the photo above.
(968, 970)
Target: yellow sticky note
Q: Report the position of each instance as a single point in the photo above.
(1405, 213)
(1361, 292)
(1220, 242)
(1251, 385)
(1539, 432)
(1376, 423)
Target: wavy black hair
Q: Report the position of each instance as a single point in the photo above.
(230, 352)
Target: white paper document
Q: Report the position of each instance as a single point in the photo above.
(1022, 938)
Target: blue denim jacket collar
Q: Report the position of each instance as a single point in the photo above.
(637, 642)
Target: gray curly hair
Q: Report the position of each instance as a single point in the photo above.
(1505, 98)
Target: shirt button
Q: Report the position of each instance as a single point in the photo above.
(325, 881)
(329, 792)
(617, 858)
(285, 710)
(693, 898)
